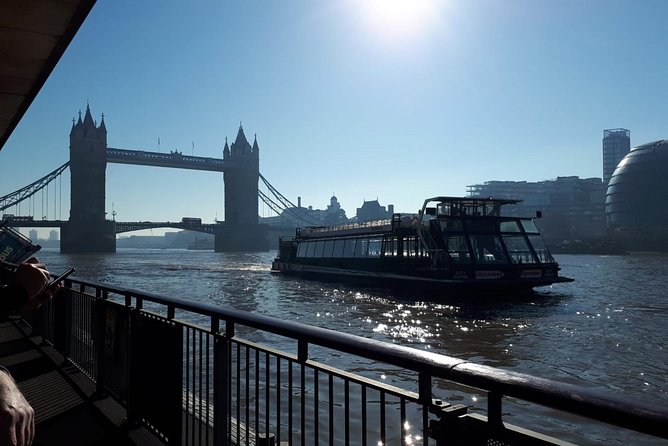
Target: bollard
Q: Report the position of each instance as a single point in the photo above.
(265, 439)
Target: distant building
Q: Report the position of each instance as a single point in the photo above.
(32, 234)
(636, 201)
(372, 210)
(300, 216)
(334, 214)
(616, 144)
(53, 235)
(572, 208)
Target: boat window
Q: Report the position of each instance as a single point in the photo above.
(390, 248)
(481, 226)
(327, 252)
(488, 249)
(338, 248)
(529, 226)
(451, 224)
(518, 249)
(509, 226)
(410, 247)
(374, 247)
(310, 249)
(349, 248)
(541, 250)
(319, 246)
(361, 248)
(458, 249)
(301, 250)
(443, 209)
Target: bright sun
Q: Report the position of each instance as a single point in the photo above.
(398, 19)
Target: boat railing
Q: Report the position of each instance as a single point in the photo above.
(321, 230)
(196, 373)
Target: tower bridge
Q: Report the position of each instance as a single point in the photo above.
(174, 159)
(88, 230)
(119, 226)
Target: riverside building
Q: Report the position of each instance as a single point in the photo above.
(571, 207)
(616, 144)
(636, 201)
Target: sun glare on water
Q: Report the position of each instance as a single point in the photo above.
(398, 19)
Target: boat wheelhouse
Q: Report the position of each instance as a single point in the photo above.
(458, 243)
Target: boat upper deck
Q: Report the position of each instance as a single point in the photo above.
(346, 229)
(442, 206)
(457, 206)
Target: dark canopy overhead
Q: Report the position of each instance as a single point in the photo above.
(33, 36)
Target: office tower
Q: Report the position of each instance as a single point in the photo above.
(32, 234)
(616, 144)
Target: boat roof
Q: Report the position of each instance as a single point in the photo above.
(472, 201)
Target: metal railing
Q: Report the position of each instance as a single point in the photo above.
(198, 374)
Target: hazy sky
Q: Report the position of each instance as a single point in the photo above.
(390, 99)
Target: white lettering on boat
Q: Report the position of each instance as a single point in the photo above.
(488, 274)
(531, 274)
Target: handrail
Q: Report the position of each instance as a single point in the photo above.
(643, 417)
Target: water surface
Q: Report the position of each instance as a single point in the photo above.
(606, 331)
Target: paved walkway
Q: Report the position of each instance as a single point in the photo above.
(66, 411)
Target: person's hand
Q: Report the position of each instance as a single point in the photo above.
(17, 417)
(45, 296)
(33, 277)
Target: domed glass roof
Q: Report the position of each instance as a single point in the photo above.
(637, 195)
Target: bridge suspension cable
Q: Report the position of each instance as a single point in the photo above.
(269, 202)
(30, 190)
(279, 204)
(299, 215)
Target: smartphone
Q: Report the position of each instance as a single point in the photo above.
(61, 277)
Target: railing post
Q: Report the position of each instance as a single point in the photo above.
(221, 384)
(266, 439)
(424, 392)
(131, 373)
(302, 351)
(99, 343)
(494, 411)
(66, 326)
(302, 357)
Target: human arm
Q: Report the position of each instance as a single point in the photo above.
(27, 288)
(17, 417)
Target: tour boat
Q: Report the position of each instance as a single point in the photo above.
(454, 243)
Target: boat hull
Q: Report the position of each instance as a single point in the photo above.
(495, 283)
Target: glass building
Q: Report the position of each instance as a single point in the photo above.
(636, 202)
(616, 144)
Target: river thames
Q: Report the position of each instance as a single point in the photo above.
(606, 331)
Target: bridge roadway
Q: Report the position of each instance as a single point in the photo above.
(172, 159)
(136, 226)
(121, 226)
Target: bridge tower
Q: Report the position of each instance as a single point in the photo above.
(241, 230)
(87, 229)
